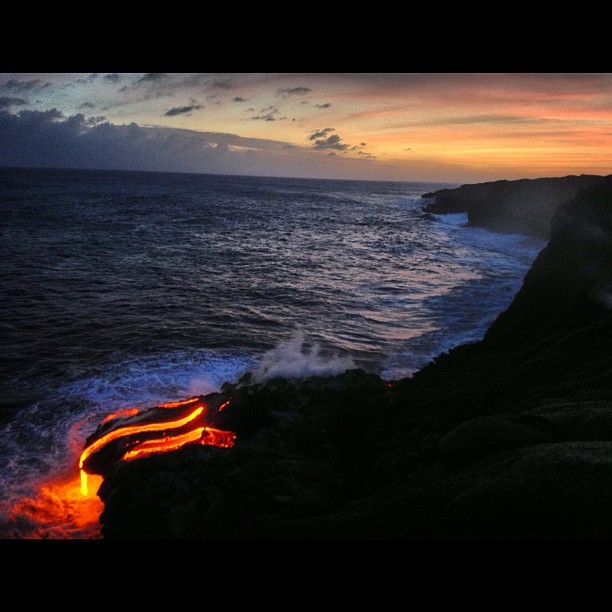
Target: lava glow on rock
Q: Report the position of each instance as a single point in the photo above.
(67, 506)
(143, 433)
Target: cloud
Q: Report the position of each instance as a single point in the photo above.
(238, 99)
(182, 110)
(8, 102)
(25, 86)
(331, 142)
(112, 77)
(221, 84)
(84, 81)
(151, 85)
(152, 77)
(320, 133)
(326, 105)
(324, 141)
(269, 114)
(285, 92)
(87, 105)
(48, 139)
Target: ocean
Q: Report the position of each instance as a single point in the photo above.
(123, 289)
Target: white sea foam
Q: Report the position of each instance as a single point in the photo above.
(147, 381)
(292, 359)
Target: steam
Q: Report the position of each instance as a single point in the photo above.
(291, 359)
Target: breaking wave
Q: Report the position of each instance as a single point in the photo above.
(294, 359)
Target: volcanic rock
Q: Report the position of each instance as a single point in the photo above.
(525, 206)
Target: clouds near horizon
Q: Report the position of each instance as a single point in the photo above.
(50, 139)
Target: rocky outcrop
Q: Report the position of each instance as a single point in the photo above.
(525, 206)
(507, 437)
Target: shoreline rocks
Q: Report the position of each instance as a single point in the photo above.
(524, 206)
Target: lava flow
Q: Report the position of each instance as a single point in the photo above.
(133, 433)
(66, 506)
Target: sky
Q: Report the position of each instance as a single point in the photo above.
(443, 127)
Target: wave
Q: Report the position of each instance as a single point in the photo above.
(293, 359)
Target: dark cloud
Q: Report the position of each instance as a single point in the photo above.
(7, 102)
(112, 77)
(323, 140)
(85, 81)
(25, 86)
(152, 85)
(331, 142)
(87, 105)
(96, 120)
(326, 105)
(269, 113)
(239, 99)
(221, 84)
(152, 77)
(321, 133)
(49, 140)
(182, 110)
(285, 92)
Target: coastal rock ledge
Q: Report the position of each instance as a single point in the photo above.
(525, 206)
(507, 437)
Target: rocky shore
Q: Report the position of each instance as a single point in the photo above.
(525, 206)
(509, 437)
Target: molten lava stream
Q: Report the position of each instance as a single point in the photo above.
(199, 432)
(69, 507)
(129, 430)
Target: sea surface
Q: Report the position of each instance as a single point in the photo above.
(122, 289)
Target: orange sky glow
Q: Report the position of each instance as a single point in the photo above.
(451, 127)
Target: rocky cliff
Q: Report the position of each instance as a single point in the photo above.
(526, 206)
(507, 437)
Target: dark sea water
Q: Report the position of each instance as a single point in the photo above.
(125, 288)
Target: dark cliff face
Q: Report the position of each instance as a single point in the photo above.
(570, 284)
(507, 437)
(526, 206)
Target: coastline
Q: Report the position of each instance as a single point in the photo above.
(506, 437)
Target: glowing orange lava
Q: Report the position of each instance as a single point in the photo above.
(126, 412)
(191, 400)
(57, 510)
(69, 506)
(212, 437)
(200, 433)
(129, 430)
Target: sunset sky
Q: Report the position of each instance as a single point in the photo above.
(433, 127)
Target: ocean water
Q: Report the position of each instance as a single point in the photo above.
(126, 288)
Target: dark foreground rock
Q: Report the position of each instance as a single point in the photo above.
(525, 206)
(507, 437)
